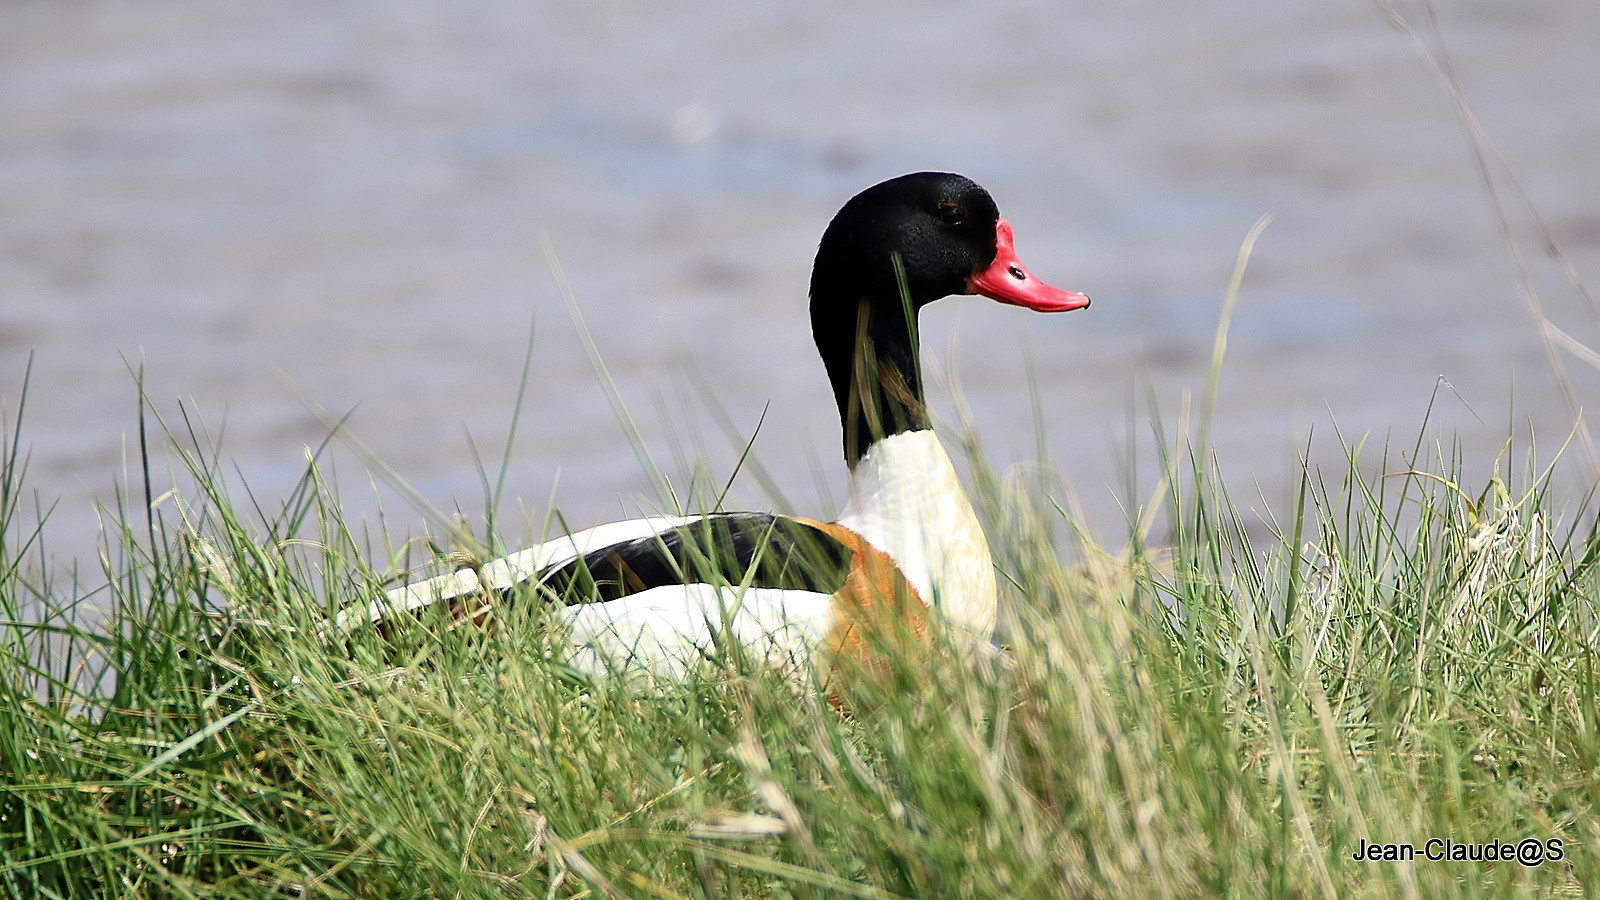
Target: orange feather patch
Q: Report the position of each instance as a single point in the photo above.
(881, 617)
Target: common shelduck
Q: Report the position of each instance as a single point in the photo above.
(654, 595)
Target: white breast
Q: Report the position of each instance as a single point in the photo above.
(905, 500)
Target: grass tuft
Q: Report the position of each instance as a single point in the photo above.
(1231, 710)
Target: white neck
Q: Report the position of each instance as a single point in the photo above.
(905, 500)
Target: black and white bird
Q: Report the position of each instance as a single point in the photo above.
(656, 594)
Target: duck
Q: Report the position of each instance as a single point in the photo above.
(906, 555)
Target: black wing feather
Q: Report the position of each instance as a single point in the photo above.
(722, 548)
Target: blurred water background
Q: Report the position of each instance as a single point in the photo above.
(352, 198)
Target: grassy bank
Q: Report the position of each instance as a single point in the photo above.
(1222, 709)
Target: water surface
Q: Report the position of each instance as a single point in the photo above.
(351, 201)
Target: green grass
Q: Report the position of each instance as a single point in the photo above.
(1227, 710)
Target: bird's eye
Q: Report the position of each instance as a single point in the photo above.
(948, 214)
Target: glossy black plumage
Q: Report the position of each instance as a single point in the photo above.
(891, 250)
(721, 548)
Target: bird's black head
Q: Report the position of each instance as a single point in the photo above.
(941, 228)
(894, 248)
